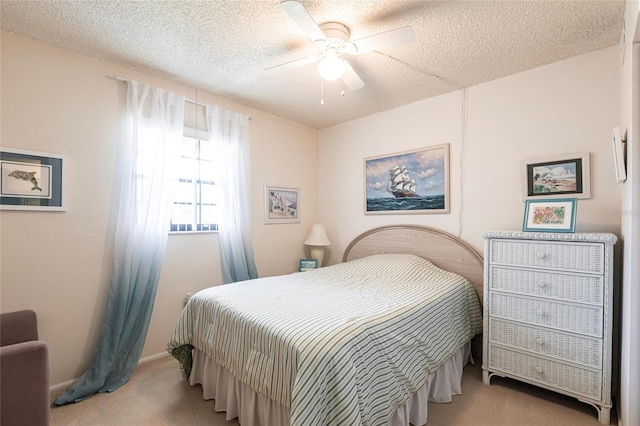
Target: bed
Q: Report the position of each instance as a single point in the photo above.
(365, 342)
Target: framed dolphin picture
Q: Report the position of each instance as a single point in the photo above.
(32, 180)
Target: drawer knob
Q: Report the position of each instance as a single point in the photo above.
(540, 255)
(539, 341)
(539, 370)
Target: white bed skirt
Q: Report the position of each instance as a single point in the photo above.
(253, 409)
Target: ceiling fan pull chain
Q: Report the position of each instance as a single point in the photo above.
(322, 91)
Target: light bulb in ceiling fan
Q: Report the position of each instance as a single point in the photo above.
(332, 68)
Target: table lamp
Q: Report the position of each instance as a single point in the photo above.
(317, 240)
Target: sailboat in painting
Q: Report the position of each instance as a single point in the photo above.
(400, 183)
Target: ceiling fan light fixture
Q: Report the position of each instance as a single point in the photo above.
(332, 68)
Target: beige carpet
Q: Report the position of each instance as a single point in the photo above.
(156, 395)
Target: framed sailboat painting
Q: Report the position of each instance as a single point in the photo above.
(408, 182)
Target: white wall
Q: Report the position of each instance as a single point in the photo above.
(629, 410)
(59, 263)
(565, 107)
(343, 149)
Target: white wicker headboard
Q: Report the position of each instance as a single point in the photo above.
(441, 248)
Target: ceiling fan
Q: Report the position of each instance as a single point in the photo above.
(332, 42)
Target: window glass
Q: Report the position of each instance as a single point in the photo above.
(195, 200)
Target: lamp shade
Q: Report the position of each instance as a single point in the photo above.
(317, 236)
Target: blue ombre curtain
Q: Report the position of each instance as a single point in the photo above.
(154, 125)
(229, 134)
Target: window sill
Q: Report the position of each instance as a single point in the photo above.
(191, 232)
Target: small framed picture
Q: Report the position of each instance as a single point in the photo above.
(551, 215)
(307, 264)
(281, 204)
(560, 176)
(32, 180)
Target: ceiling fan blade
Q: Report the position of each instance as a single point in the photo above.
(300, 16)
(296, 63)
(351, 79)
(384, 40)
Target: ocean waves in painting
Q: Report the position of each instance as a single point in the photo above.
(435, 202)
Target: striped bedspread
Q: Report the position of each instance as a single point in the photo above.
(341, 345)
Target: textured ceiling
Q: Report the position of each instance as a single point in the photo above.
(223, 46)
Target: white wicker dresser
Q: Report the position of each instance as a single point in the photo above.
(548, 312)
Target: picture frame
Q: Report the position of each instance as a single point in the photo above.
(410, 182)
(281, 204)
(307, 265)
(619, 161)
(31, 180)
(558, 176)
(550, 215)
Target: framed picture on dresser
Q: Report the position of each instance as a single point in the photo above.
(552, 215)
(307, 265)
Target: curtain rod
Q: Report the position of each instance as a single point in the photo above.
(124, 80)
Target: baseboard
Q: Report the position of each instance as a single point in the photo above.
(153, 357)
(59, 388)
(55, 389)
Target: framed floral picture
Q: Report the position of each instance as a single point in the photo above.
(550, 215)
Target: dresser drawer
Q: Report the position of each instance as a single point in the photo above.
(578, 288)
(565, 377)
(541, 341)
(583, 319)
(569, 256)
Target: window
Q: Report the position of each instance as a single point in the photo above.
(194, 203)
